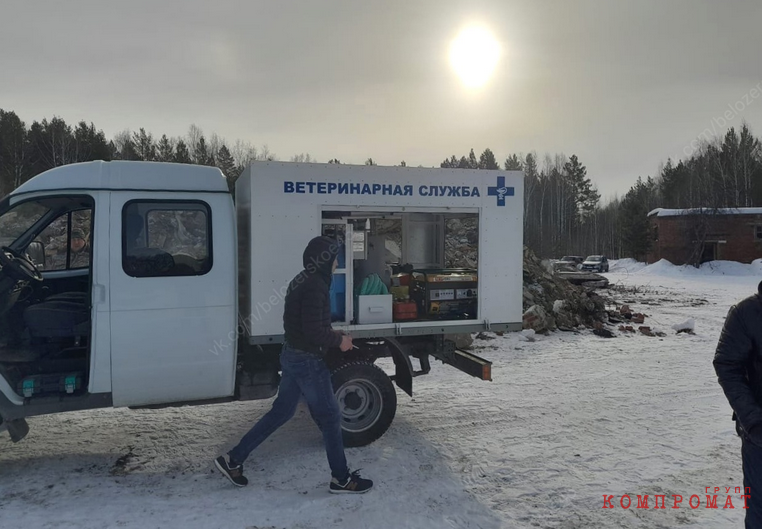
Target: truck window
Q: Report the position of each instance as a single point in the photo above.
(67, 241)
(14, 223)
(166, 238)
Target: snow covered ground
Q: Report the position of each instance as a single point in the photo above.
(569, 417)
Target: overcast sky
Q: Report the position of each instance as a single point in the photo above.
(623, 85)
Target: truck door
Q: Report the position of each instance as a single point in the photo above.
(173, 298)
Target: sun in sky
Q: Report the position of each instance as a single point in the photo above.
(474, 54)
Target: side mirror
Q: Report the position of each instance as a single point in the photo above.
(36, 251)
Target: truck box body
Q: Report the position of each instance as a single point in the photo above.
(280, 207)
(179, 299)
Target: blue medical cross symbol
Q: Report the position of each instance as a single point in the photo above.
(500, 191)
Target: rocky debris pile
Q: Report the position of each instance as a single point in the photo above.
(584, 279)
(627, 319)
(461, 239)
(178, 232)
(462, 243)
(553, 303)
(602, 332)
(628, 322)
(462, 340)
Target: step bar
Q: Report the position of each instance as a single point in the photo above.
(467, 362)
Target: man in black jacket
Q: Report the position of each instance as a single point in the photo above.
(738, 363)
(308, 332)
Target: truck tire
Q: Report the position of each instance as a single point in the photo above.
(367, 400)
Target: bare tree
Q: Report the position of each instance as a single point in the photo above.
(265, 154)
(749, 165)
(193, 137)
(214, 143)
(121, 139)
(243, 153)
(302, 158)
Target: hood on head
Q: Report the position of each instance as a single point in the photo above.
(320, 254)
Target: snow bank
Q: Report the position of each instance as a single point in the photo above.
(732, 268)
(712, 268)
(527, 335)
(667, 269)
(688, 325)
(626, 265)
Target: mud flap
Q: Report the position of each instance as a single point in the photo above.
(17, 428)
(403, 376)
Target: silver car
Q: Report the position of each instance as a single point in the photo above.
(595, 263)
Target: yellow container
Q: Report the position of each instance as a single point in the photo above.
(400, 293)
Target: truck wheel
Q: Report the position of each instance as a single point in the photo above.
(367, 401)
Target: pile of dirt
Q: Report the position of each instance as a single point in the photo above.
(552, 303)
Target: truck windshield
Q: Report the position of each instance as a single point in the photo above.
(16, 221)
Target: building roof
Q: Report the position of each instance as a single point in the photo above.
(662, 212)
(128, 175)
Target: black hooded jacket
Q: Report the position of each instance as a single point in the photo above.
(307, 313)
(738, 361)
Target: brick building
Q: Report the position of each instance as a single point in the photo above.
(684, 236)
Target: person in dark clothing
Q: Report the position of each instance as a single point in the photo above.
(308, 333)
(738, 363)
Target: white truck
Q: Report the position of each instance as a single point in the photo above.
(178, 299)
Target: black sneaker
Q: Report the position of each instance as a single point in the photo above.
(233, 473)
(354, 484)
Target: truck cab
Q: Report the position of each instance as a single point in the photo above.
(131, 318)
(141, 284)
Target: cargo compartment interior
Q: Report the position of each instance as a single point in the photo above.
(397, 267)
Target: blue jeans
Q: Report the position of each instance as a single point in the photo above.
(303, 374)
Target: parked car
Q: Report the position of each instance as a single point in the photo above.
(596, 263)
(568, 263)
(576, 259)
